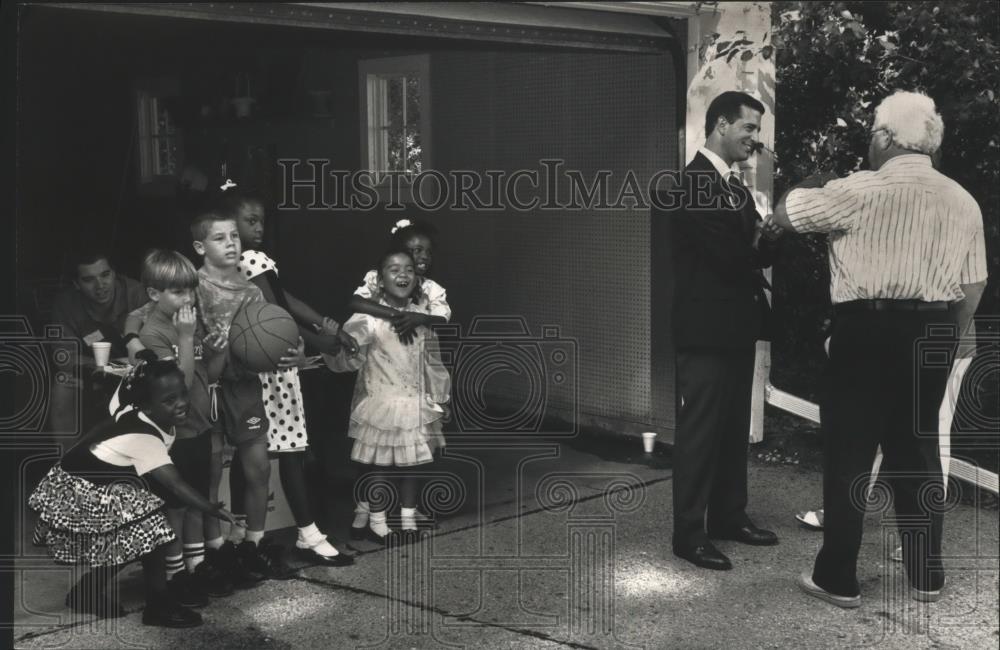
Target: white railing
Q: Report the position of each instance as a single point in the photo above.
(962, 469)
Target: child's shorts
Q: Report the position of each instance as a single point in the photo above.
(243, 411)
(193, 459)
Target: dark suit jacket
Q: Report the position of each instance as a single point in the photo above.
(719, 301)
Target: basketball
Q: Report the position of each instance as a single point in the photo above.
(261, 334)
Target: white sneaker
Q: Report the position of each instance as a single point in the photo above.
(925, 596)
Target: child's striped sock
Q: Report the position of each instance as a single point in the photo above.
(194, 554)
(175, 564)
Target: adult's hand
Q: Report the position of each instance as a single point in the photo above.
(769, 229)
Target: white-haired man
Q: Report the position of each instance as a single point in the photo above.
(907, 267)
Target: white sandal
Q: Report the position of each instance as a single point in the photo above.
(811, 519)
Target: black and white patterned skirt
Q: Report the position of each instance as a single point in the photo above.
(81, 522)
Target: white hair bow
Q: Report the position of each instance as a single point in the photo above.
(228, 185)
(402, 223)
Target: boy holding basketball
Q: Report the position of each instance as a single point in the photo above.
(221, 293)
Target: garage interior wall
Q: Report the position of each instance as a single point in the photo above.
(586, 271)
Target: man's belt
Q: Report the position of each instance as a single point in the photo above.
(855, 306)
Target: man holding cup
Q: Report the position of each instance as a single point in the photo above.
(93, 311)
(95, 307)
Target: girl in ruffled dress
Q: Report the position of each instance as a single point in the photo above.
(94, 512)
(401, 402)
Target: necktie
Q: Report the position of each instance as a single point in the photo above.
(742, 195)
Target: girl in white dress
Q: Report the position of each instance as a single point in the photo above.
(401, 402)
(418, 238)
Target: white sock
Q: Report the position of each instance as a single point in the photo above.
(215, 543)
(238, 533)
(194, 554)
(377, 523)
(255, 536)
(408, 516)
(308, 532)
(317, 541)
(360, 515)
(174, 565)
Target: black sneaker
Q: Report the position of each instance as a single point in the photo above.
(255, 566)
(212, 579)
(274, 558)
(228, 560)
(166, 613)
(186, 591)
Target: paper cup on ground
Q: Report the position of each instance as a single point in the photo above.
(102, 353)
(648, 440)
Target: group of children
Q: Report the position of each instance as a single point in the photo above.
(166, 429)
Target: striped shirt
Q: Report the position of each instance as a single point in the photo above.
(904, 232)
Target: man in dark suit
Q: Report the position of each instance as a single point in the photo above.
(719, 312)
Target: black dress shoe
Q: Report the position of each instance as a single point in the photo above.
(705, 556)
(311, 556)
(368, 534)
(748, 534)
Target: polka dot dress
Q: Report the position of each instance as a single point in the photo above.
(253, 263)
(281, 389)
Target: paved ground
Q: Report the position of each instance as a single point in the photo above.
(556, 546)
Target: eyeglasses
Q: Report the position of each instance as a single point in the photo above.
(881, 128)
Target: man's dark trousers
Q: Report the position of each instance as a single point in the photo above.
(712, 438)
(884, 384)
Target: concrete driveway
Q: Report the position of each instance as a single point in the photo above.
(553, 545)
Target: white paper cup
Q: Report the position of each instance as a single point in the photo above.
(102, 353)
(648, 440)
